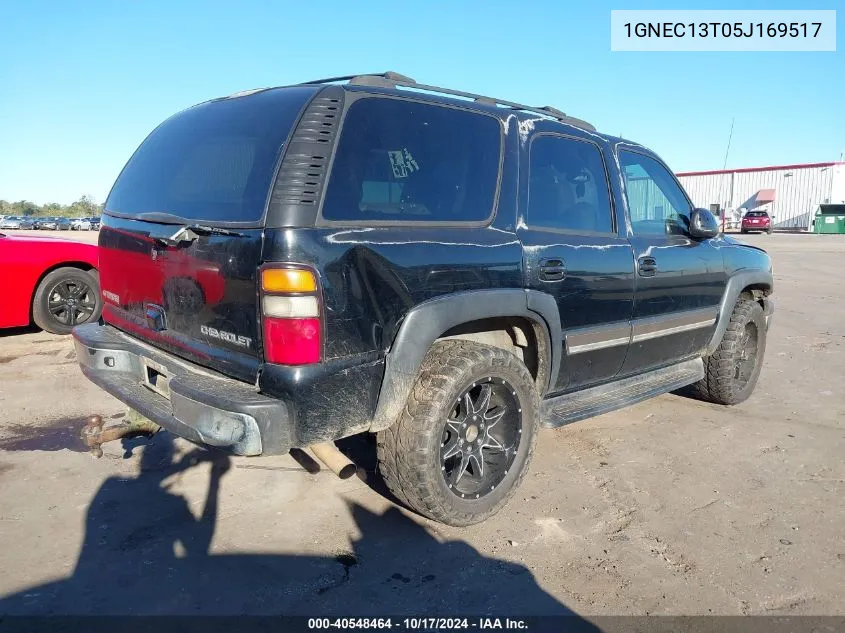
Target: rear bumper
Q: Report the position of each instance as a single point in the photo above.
(203, 406)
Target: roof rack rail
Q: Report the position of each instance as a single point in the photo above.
(390, 79)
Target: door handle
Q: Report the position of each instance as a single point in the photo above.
(647, 266)
(552, 269)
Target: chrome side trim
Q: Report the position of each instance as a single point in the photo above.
(672, 330)
(653, 327)
(589, 347)
(588, 339)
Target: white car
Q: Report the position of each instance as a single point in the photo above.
(10, 223)
(80, 224)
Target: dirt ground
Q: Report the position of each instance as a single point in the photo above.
(668, 507)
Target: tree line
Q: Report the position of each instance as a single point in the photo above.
(85, 207)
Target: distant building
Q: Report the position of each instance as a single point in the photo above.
(789, 193)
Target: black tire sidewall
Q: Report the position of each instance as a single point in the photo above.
(526, 396)
(41, 314)
(759, 319)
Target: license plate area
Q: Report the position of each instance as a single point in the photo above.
(155, 377)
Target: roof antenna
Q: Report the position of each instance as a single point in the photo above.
(730, 135)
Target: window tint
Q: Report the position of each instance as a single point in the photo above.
(403, 161)
(655, 200)
(214, 161)
(567, 187)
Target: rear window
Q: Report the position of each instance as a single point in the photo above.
(412, 162)
(756, 214)
(212, 162)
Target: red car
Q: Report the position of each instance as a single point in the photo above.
(756, 221)
(49, 281)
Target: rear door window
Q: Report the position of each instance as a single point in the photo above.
(403, 161)
(212, 162)
(567, 187)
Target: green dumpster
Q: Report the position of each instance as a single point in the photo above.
(830, 218)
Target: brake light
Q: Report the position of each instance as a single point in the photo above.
(290, 306)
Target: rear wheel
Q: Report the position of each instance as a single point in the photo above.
(731, 372)
(465, 436)
(65, 298)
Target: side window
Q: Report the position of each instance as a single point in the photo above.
(405, 161)
(567, 186)
(655, 200)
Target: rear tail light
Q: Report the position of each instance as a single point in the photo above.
(290, 307)
(288, 280)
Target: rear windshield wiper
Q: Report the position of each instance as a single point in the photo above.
(202, 229)
(190, 232)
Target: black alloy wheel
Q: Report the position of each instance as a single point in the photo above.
(481, 438)
(65, 298)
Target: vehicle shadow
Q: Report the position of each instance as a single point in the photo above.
(17, 331)
(145, 552)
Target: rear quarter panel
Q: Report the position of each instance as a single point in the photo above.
(370, 280)
(24, 262)
(372, 277)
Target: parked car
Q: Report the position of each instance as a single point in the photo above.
(64, 224)
(447, 274)
(27, 223)
(756, 221)
(45, 224)
(95, 223)
(80, 224)
(48, 281)
(10, 222)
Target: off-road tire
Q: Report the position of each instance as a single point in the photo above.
(409, 451)
(720, 384)
(41, 314)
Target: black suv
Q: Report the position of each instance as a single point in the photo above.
(289, 266)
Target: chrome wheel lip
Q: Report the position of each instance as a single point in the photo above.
(481, 438)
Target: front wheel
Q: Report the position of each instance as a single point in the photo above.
(731, 372)
(65, 298)
(466, 435)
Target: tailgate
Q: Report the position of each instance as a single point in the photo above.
(197, 300)
(181, 239)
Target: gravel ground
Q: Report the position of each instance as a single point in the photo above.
(668, 507)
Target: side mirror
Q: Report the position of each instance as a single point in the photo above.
(702, 224)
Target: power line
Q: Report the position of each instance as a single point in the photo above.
(730, 136)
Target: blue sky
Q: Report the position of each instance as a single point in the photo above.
(83, 82)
